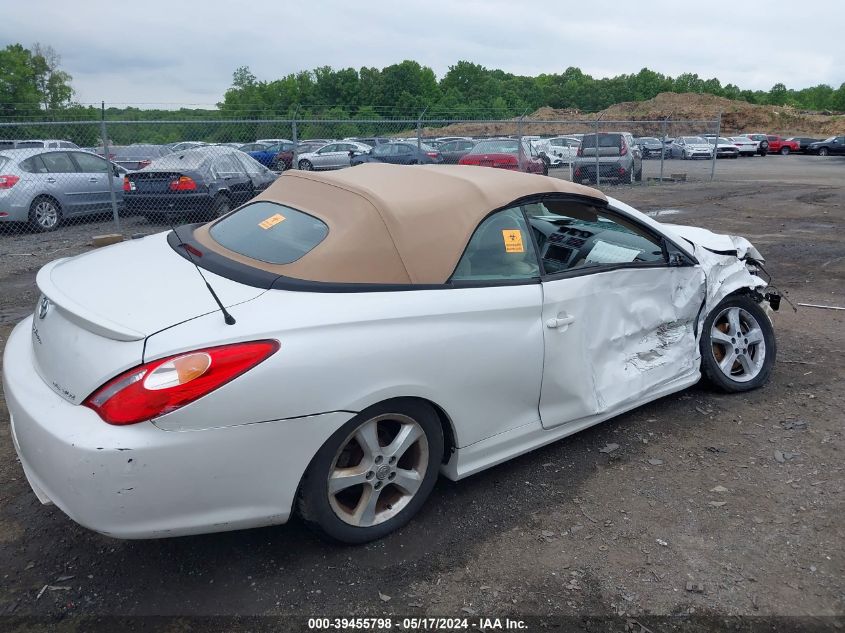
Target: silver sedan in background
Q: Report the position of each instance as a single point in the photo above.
(331, 155)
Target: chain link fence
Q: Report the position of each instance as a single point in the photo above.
(137, 177)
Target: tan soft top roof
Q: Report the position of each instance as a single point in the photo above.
(392, 224)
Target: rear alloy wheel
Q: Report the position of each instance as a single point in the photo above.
(823, 151)
(738, 346)
(221, 206)
(45, 214)
(784, 151)
(305, 165)
(374, 473)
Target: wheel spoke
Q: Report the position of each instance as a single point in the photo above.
(717, 336)
(754, 335)
(747, 366)
(408, 434)
(408, 481)
(367, 438)
(733, 320)
(343, 478)
(728, 362)
(365, 511)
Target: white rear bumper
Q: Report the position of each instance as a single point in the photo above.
(139, 481)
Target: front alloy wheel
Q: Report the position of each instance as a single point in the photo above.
(374, 473)
(738, 345)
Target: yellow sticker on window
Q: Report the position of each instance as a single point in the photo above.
(513, 240)
(273, 220)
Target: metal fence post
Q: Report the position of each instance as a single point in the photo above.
(520, 153)
(110, 170)
(663, 147)
(716, 147)
(596, 150)
(294, 133)
(419, 129)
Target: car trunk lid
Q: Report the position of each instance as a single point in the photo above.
(97, 309)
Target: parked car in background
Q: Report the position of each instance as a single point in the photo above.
(331, 155)
(48, 144)
(446, 139)
(506, 153)
(781, 145)
(134, 157)
(745, 145)
(400, 154)
(205, 181)
(833, 145)
(724, 148)
(44, 187)
(372, 141)
(184, 145)
(619, 159)
(650, 146)
(273, 141)
(690, 148)
(307, 147)
(277, 157)
(253, 147)
(559, 149)
(762, 142)
(804, 143)
(453, 151)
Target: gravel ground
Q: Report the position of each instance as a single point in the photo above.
(712, 504)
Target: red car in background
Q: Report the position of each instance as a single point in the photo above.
(780, 145)
(506, 153)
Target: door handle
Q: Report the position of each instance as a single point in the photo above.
(51, 180)
(560, 321)
(92, 179)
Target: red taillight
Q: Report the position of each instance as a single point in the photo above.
(7, 182)
(161, 386)
(623, 146)
(126, 185)
(432, 154)
(183, 183)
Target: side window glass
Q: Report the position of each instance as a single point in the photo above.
(90, 164)
(58, 163)
(573, 235)
(34, 165)
(500, 249)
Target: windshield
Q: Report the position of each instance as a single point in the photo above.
(269, 232)
(694, 139)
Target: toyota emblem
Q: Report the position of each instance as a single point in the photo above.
(43, 307)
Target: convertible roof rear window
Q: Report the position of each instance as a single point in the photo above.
(269, 232)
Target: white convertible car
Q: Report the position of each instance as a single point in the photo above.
(361, 332)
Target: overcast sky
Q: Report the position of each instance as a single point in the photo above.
(184, 51)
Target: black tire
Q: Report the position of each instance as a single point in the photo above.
(314, 504)
(221, 206)
(711, 348)
(784, 151)
(45, 214)
(305, 165)
(823, 151)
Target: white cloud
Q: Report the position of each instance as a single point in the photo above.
(185, 52)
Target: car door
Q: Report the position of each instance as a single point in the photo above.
(838, 145)
(619, 320)
(326, 157)
(232, 177)
(70, 184)
(495, 299)
(95, 172)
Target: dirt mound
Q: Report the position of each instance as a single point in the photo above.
(698, 109)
